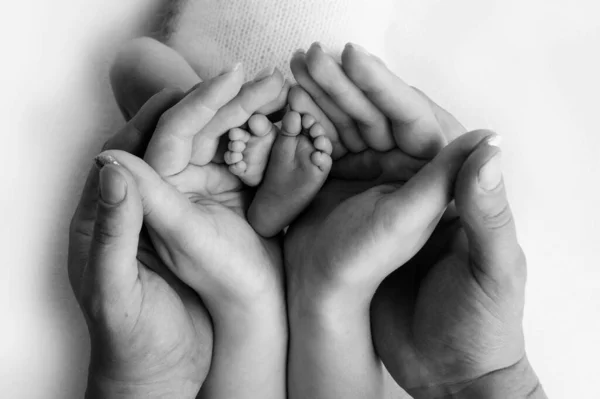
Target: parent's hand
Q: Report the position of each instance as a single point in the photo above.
(449, 323)
(194, 209)
(369, 219)
(443, 321)
(151, 336)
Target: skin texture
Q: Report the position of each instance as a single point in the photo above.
(195, 217)
(298, 166)
(341, 249)
(219, 200)
(321, 311)
(151, 335)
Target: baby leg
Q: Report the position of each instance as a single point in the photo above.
(297, 169)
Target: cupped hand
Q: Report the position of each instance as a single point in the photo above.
(383, 202)
(384, 198)
(195, 209)
(151, 335)
(449, 323)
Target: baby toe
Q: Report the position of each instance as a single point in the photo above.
(321, 160)
(317, 131)
(233, 157)
(238, 134)
(323, 144)
(291, 124)
(236, 146)
(259, 125)
(239, 168)
(308, 121)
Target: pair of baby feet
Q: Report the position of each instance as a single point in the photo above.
(289, 164)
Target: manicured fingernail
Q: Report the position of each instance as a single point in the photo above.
(358, 48)
(264, 73)
(102, 160)
(235, 67)
(494, 140)
(490, 174)
(113, 186)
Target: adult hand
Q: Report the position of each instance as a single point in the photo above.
(151, 336)
(345, 235)
(194, 209)
(373, 215)
(449, 323)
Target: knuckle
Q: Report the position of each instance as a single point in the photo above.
(107, 231)
(499, 218)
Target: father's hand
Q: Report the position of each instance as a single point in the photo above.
(151, 336)
(449, 323)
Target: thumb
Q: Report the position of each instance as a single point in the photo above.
(413, 210)
(487, 218)
(112, 266)
(165, 209)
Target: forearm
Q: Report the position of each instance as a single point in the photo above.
(518, 382)
(249, 355)
(331, 351)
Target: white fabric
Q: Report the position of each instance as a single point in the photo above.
(213, 34)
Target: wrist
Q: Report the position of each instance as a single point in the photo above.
(518, 381)
(313, 295)
(101, 387)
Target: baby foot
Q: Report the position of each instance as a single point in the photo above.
(248, 153)
(298, 167)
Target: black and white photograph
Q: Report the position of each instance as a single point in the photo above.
(300, 199)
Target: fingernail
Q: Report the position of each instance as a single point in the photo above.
(319, 46)
(494, 140)
(235, 67)
(490, 174)
(113, 186)
(299, 51)
(358, 48)
(103, 159)
(264, 73)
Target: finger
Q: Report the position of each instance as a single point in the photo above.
(388, 167)
(372, 124)
(277, 104)
(486, 215)
(81, 228)
(143, 68)
(252, 96)
(112, 267)
(136, 134)
(413, 211)
(414, 125)
(301, 102)
(451, 127)
(170, 149)
(165, 209)
(344, 125)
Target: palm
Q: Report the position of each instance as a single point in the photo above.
(168, 320)
(427, 319)
(219, 202)
(349, 211)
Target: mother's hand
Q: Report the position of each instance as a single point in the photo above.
(449, 323)
(151, 336)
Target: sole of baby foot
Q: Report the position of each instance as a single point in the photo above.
(298, 167)
(248, 151)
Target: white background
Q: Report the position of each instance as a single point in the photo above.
(526, 68)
